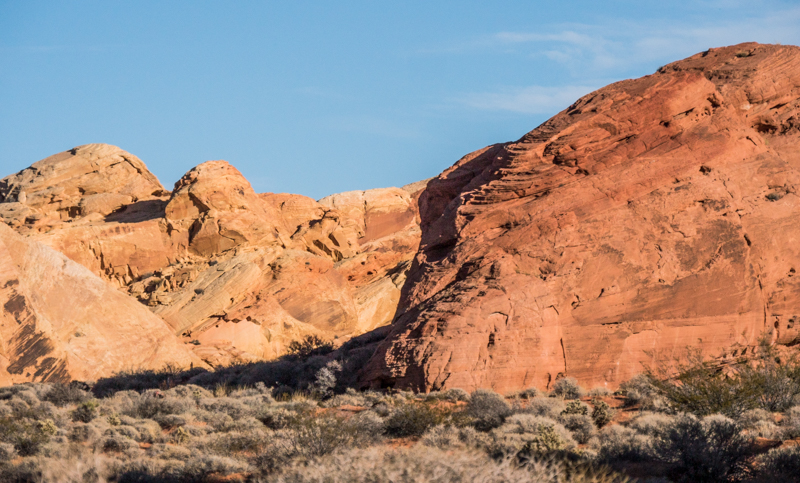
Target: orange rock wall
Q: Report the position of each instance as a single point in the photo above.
(651, 215)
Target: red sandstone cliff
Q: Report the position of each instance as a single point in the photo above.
(651, 215)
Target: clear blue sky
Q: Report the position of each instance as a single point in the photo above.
(322, 97)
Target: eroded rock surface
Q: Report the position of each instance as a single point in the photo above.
(237, 275)
(651, 215)
(90, 181)
(60, 321)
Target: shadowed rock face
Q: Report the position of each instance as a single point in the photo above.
(236, 275)
(59, 321)
(651, 215)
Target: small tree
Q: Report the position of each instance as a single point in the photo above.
(326, 379)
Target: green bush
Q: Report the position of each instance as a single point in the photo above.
(576, 407)
(602, 414)
(702, 387)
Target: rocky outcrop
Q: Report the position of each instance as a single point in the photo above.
(89, 181)
(651, 215)
(237, 275)
(60, 321)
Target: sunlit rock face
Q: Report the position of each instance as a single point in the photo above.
(60, 321)
(651, 215)
(235, 275)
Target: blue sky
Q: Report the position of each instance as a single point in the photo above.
(323, 97)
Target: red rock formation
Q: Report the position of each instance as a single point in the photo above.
(651, 215)
(237, 275)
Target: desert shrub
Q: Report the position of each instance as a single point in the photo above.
(116, 443)
(790, 425)
(567, 388)
(429, 464)
(602, 413)
(758, 380)
(413, 419)
(765, 429)
(311, 436)
(7, 453)
(149, 430)
(150, 405)
(759, 423)
(196, 470)
(530, 393)
(448, 436)
(27, 436)
(487, 408)
(351, 397)
(252, 440)
(616, 444)
(749, 419)
(441, 436)
(530, 435)
(275, 417)
(640, 391)
(125, 431)
(81, 433)
(310, 345)
(189, 391)
(234, 408)
(776, 384)
(86, 411)
(65, 394)
(455, 395)
(325, 379)
(168, 421)
(599, 391)
(545, 406)
(170, 452)
(579, 425)
(780, 464)
(711, 449)
(652, 424)
(575, 407)
(200, 467)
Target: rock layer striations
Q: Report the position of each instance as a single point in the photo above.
(235, 274)
(651, 215)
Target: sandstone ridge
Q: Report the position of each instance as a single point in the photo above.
(235, 274)
(651, 215)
